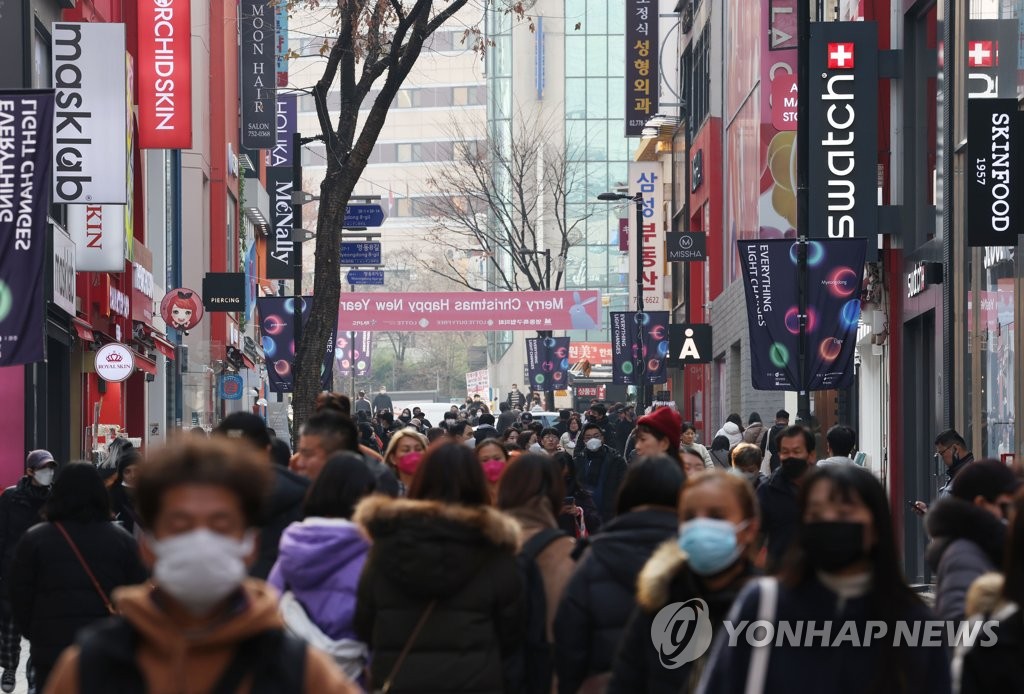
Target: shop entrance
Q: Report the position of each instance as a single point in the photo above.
(921, 385)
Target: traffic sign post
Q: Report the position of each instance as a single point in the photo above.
(365, 277)
(360, 253)
(364, 216)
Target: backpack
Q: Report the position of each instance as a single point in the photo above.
(537, 656)
(107, 663)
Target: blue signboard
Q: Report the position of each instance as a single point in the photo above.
(231, 386)
(360, 252)
(364, 216)
(365, 277)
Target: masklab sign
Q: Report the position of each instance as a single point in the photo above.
(843, 134)
(458, 311)
(165, 74)
(90, 125)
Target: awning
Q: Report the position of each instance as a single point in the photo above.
(145, 364)
(249, 363)
(163, 345)
(83, 330)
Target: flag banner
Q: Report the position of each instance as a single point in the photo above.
(835, 269)
(277, 325)
(636, 336)
(547, 362)
(26, 122)
(360, 353)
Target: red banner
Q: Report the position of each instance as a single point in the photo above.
(165, 74)
(438, 312)
(597, 353)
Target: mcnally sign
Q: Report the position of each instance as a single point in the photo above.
(843, 127)
(280, 247)
(165, 74)
(995, 172)
(90, 126)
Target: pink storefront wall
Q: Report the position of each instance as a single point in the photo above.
(12, 424)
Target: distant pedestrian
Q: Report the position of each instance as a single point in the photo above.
(689, 438)
(756, 431)
(598, 470)
(20, 508)
(732, 429)
(403, 456)
(440, 583)
(67, 567)
(841, 441)
(493, 458)
(507, 417)
(122, 491)
(951, 450)
(771, 441)
(778, 497)
(600, 595)
(719, 453)
(658, 434)
(515, 399)
(747, 460)
(382, 402)
(362, 404)
(572, 430)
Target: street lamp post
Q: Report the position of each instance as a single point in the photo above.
(638, 200)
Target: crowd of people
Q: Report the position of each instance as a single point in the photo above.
(494, 554)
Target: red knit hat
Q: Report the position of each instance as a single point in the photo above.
(667, 422)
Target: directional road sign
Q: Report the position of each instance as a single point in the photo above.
(364, 216)
(365, 277)
(360, 253)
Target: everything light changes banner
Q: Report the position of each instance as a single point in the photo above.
(835, 269)
(277, 323)
(547, 362)
(635, 337)
(26, 119)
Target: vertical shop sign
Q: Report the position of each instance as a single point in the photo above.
(645, 178)
(995, 180)
(26, 119)
(165, 74)
(843, 157)
(280, 246)
(281, 51)
(641, 64)
(91, 119)
(257, 72)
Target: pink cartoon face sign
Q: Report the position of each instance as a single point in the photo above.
(182, 309)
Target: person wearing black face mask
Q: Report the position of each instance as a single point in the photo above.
(951, 451)
(780, 512)
(845, 570)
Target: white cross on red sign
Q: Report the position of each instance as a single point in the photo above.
(840, 55)
(982, 53)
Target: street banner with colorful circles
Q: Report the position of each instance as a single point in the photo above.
(547, 363)
(277, 324)
(640, 347)
(835, 271)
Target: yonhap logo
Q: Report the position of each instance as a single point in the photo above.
(681, 632)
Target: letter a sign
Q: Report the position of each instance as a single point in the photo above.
(689, 344)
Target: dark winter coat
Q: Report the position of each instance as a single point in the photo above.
(462, 557)
(996, 667)
(505, 420)
(843, 669)
(772, 445)
(951, 472)
(665, 579)
(283, 509)
(601, 594)
(19, 511)
(599, 474)
(123, 506)
(52, 595)
(780, 515)
(967, 542)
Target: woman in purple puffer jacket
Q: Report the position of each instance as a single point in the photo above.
(320, 561)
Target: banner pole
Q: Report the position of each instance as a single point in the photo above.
(803, 18)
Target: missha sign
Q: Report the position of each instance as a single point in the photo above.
(90, 126)
(843, 123)
(165, 74)
(114, 362)
(995, 165)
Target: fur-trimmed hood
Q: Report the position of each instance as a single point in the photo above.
(654, 584)
(432, 548)
(954, 519)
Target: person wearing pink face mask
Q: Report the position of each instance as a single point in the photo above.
(493, 458)
(403, 455)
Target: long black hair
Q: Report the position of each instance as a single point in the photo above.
(653, 481)
(890, 598)
(343, 481)
(78, 495)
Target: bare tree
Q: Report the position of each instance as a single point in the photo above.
(377, 42)
(506, 200)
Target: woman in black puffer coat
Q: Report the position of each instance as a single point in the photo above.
(442, 546)
(51, 593)
(600, 596)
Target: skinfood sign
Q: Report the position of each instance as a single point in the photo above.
(843, 125)
(995, 188)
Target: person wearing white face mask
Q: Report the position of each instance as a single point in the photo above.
(19, 510)
(201, 625)
(598, 470)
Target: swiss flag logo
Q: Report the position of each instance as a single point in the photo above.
(982, 53)
(840, 56)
